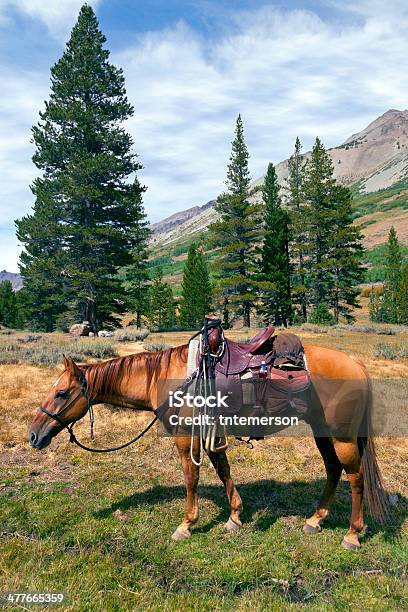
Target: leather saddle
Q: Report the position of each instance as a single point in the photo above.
(237, 357)
(237, 363)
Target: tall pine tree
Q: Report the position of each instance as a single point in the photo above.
(195, 289)
(275, 266)
(137, 275)
(387, 307)
(345, 257)
(84, 202)
(298, 227)
(319, 211)
(237, 232)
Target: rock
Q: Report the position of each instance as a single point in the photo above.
(105, 334)
(91, 335)
(80, 329)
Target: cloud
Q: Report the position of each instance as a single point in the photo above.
(57, 15)
(289, 73)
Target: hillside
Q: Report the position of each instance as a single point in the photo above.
(14, 278)
(373, 162)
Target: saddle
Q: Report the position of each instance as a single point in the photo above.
(237, 366)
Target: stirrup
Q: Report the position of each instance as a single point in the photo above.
(220, 444)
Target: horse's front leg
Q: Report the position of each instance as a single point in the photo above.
(222, 467)
(191, 476)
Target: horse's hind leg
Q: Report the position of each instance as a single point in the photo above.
(333, 471)
(349, 456)
(191, 476)
(222, 467)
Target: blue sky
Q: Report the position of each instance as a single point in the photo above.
(290, 68)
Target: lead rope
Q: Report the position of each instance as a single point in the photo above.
(200, 425)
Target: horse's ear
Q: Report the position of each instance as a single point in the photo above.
(72, 367)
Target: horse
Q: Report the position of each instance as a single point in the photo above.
(132, 382)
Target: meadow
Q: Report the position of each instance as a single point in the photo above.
(99, 527)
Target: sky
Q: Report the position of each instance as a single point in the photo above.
(292, 68)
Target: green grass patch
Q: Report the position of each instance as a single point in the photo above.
(104, 539)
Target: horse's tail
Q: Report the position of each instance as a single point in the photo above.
(374, 493)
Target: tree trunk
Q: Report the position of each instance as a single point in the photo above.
(247, 315)
(90, 315)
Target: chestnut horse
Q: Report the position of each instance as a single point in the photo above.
(132, 382)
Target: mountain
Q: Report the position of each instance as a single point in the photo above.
(14, 278)
(373, 160)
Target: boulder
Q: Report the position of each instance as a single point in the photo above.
(80, 329)
(105, 334)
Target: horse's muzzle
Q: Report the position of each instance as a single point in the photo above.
(39, 441)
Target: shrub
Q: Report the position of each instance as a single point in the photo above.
(27, 339)
(383, 350)
(50, 350)
(155, 346)
(321, 315)
(132, 334)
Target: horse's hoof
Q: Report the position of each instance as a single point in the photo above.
(350, 545)
(231, 525)
(181, 534)
(311, 529)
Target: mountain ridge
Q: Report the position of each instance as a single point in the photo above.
(373, 159)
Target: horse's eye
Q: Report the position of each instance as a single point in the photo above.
(62, 394)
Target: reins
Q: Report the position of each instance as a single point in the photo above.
(70, 426)
(205, 375)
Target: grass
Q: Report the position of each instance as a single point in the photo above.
(99, 528)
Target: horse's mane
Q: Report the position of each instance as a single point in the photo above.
(103, 378)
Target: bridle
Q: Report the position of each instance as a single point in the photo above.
(70, 426)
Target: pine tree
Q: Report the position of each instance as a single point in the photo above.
(195, 289)
(137, 275)
(89, 209)
(237, 232)
(8, 305)
(402, 297)
(344, 261)
(319, 211)
(161, 310)
(275, 255)
(387, 308)
(298, 227)
(393, 275)
(42, 265)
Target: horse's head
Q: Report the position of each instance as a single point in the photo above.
(65, 403)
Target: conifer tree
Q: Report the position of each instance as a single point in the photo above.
(393, 274)
(275, 255)
(402, 297)
(195, 289)
(161, 310)
(344, 257)
(137, 275)
(237, 232)
(319, 211)
(84, 204)
(8, 305)
(298, 227)
(387, 308)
